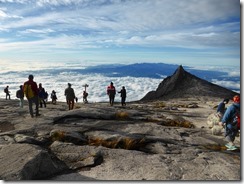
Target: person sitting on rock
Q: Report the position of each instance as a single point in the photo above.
(230, 121)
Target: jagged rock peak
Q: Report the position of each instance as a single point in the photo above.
(183, 84)
(180, 72)
(180, 69)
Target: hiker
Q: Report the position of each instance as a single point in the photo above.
(6, 90)
(31, 92)
(42, 95)
(46, 96)
(123, 95)
(85, 95)
(111, 91)
(70, 96)
(54, 97)
(231, 122)
(221, 107)
(20, 95)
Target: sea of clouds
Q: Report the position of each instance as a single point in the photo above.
(56, 76)
(52, 80)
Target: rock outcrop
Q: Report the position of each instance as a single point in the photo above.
(185, 85)
(142, 141)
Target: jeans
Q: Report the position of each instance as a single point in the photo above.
(35, 101)
(230, 132)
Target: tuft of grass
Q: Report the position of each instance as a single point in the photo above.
(175, 123)
(121, 115)
(77, 107)
(214, 147)
(119, 143)
(160, 105)
(58, 136)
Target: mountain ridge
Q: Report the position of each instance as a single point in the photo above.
(183, 84)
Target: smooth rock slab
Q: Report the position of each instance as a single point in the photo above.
(26, 162)
(76, 156)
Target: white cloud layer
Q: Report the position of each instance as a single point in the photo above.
(136, 87)
(15, 74)
(227, 84)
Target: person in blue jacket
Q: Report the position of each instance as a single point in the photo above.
(231, 126)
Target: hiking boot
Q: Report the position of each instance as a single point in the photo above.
(228, 145)
(38, 115)
(232, 148)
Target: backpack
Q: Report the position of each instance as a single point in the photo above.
(45, 95)
(236, 120)
(5, 90)
(19, 94)
(28, 91)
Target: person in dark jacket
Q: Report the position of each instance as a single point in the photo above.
(85, 95)
(20, 95)
(111, 91)
(70, 96)
(231, 126)
(123, 95)
(54, 97)
(6, 90)
(42, 95)
(221, 107)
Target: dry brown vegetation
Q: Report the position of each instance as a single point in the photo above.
(122, 115)
(122, 143)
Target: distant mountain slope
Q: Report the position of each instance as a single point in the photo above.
(148, 70)
(151, 70)
(157, 71)
(183, 84)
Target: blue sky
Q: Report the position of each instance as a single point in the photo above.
(187, 32)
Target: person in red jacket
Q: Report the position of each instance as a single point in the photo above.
(111, 91)
(31, 92)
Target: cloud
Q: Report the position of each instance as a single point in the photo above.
(4, 15)
(124, 24)
(38, 31)
(234, 73)
(97, 85)
(129, 16)
(227, 84)
(55, 76)
(14, 1)
(136, 88)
